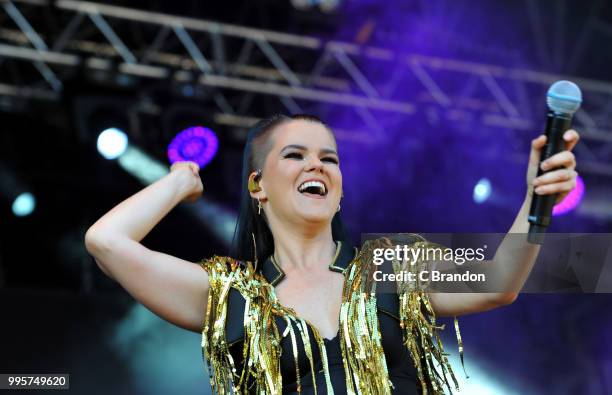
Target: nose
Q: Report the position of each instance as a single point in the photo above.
(314, 163)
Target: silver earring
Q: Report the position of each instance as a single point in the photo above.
(338, 208)
(259, 207)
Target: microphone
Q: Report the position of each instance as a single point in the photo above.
(563, 100)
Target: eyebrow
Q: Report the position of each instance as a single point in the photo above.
(303, 148)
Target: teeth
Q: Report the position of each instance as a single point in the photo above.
(316, 184)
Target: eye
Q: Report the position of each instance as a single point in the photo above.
(294, 155)
(330, 159)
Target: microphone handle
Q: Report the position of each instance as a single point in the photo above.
(540, 212)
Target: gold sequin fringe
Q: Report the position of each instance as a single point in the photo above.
(418, 322)
(360, 338)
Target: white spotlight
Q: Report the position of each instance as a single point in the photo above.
(482, 190)
(301, 4)
(112, 143)
(24, 204)
(329, 6)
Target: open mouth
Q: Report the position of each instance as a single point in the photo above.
(312, 187)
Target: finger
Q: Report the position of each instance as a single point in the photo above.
(194, 167)
(536, 147)
(559, 175)
(561, 159)
(558, 187)
(176, 165)
(571, 138)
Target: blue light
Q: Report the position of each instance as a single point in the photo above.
(197, 144)
(482, 190)
(112, 143)
(24, 204)
(188, 90)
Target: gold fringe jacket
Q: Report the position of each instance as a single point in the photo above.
(364, 360)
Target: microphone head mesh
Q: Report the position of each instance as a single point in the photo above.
(564, 97)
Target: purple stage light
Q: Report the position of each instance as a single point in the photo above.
(572, 200)
(197, 144)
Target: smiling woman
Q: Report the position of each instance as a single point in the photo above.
(285, 314)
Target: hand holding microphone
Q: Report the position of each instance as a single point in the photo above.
(551, 164)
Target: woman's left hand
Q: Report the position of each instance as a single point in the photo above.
(563, 179)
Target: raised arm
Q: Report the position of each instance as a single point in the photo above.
(172, 288)
(514, 262)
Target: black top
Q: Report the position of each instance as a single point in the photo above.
(402, 372)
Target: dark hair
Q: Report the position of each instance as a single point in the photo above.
(249, 223)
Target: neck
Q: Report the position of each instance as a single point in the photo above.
(297, 248)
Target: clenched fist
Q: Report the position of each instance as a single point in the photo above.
(190, 183)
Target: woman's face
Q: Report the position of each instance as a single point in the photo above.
(301, 178)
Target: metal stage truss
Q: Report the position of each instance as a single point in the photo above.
(54, 55)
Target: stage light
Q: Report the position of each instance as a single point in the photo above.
(197, 144)
(142, 166)
(187, 90)
(572, 200)
(327, 6)
(481, 380)
(112, 143)
(301, 4)
(24, 204)
(482, 190)
(15, 190)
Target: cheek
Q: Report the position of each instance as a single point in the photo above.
(336, 176)
(290, 170)
(283, 176)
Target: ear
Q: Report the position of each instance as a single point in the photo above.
(255, 187)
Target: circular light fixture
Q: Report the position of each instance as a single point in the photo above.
(197, 144)
(112, 143)
(482, 190)
(24, 204)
